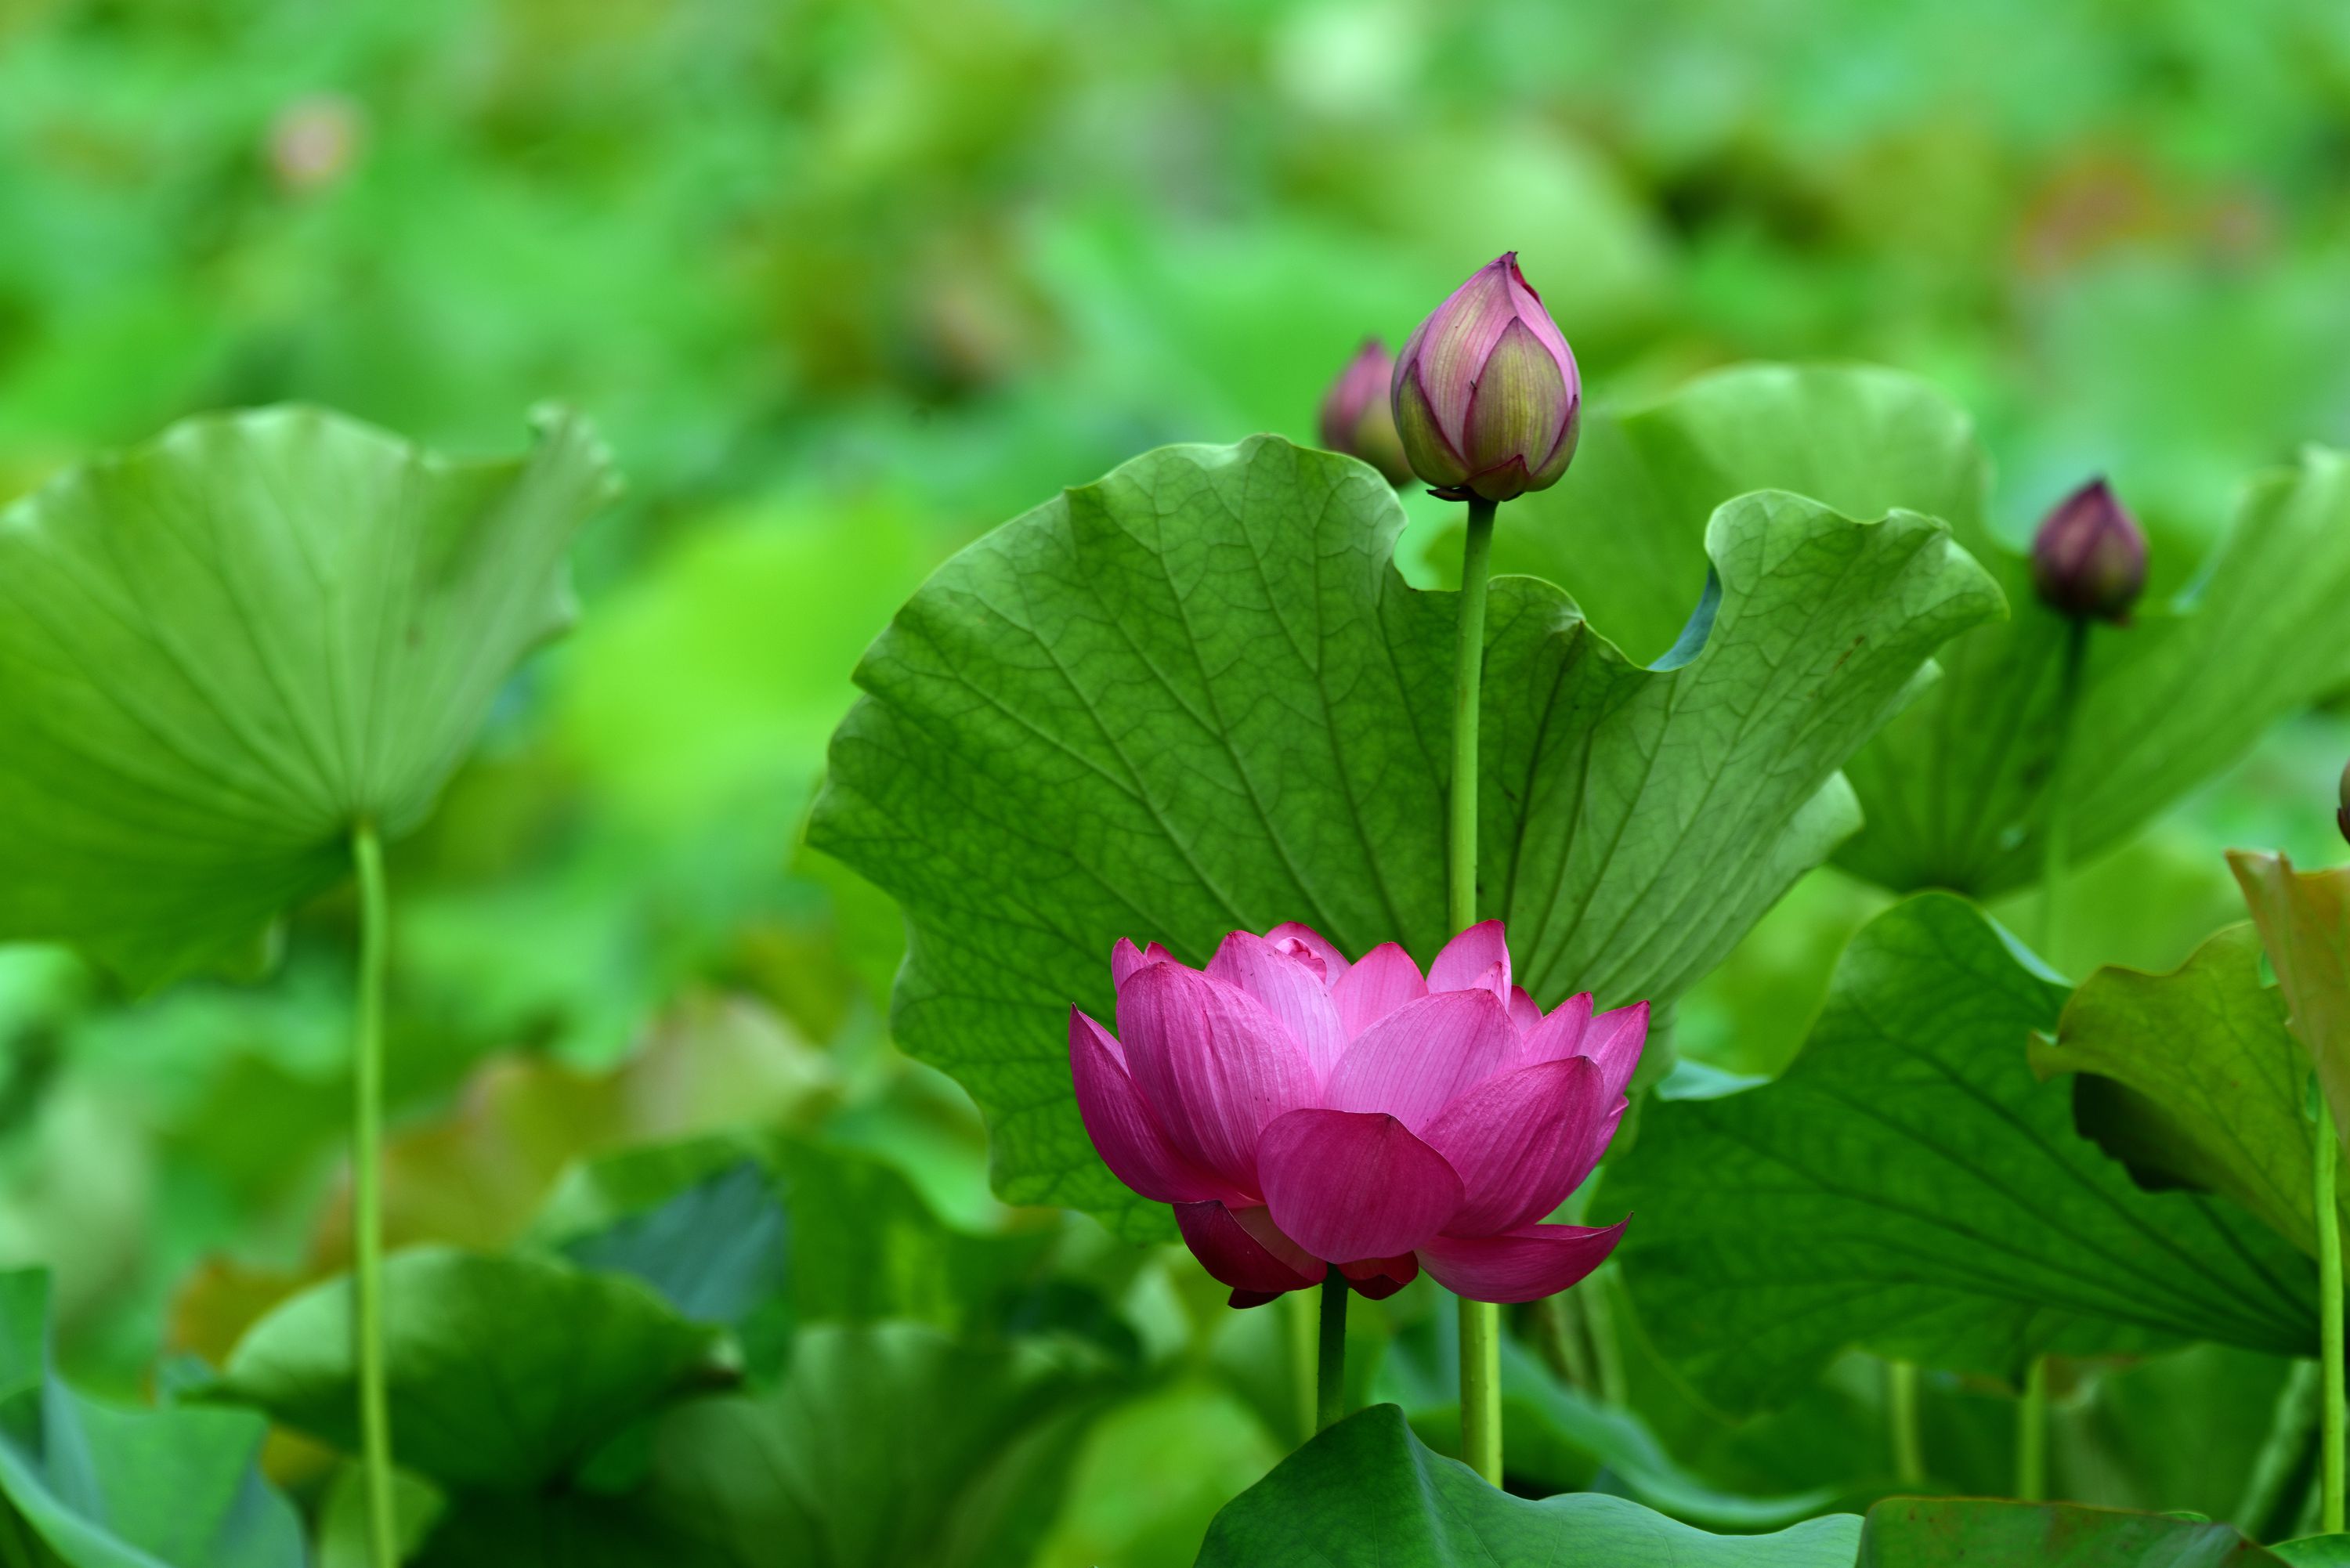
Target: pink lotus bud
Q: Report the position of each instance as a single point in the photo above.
(1486, 395)
(1356, 416)
(2088, 560)
(1302, 1113)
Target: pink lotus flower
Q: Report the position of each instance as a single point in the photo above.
(1301, 1112)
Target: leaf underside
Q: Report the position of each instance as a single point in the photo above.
(220, 650)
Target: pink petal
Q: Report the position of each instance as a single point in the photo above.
(1531, 311)
(1213, 1063)
(1519, 1142)
(1290, 934)
(1125, 1132)
(1292, 990)
(1257, 1220)
(1523, 1012)
(1604, 1133)
(1559, 1035)
(1613, 1041)
(1412, 1063)
(1384, 981)
(1350, 1185)
(1375, 1279)
(1125, 959)
(1233, 1257)
(1468, 959)
(1525, 1265)
(1459, 334)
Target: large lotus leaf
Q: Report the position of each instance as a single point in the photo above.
(2304, 923)
(504, 1371)
(1961, 1531)
(2195, 1079)
(97, 1487)
(1197, 696)
(220, 650)
(1954, 788)
(1625, 531)
(1908, 1186)
(1366, 1493)
(888, 1446)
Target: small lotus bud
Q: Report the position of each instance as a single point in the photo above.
(1487, 399)
(2088, 560)
(1357, 418)
(2341, 814)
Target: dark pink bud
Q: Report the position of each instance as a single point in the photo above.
(1487, 398)
(2088, 560)
(1357, 418)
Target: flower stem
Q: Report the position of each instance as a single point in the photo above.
(2056, 835)
(367, 1199)
(1480, 1321)
(1901, 1411)
(2032, 1434)
(2032, 1410)
(1330, 1369)
(2329, 1322)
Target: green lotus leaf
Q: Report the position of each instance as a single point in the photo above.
(1909, 1186)
(1954, 789)
(2192, 1079)
(1959, 1531)
(1366, 1493)
(92, 1486)
(220, 650)
(1197, 696)
(504, 1372)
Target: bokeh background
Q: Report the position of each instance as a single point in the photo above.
(846, 283)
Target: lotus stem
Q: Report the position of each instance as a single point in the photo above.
(1480, 1321)
(1901, 1414)
(2329, 1322)
(367, 1200)
(1330, 1369)
(2056, 837)
(2032, 1434)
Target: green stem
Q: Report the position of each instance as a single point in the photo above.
(1558, 1322)
(1300, 1306)
(1598, 1297)
(1480, 1321)
(1901, 1411)
(2265, 1512)
(2329, 1320)
(1330, 1369)
(2057, 834)
(2032, 1434)
(367, 1198)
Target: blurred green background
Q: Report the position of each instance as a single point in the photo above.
(847, 281)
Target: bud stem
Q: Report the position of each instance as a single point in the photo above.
(1480, 1321)
(2329, 1320)
(1330, 1365)
(2057, 835)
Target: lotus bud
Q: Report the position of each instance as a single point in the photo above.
(1357, 418)
(2341, 814)
(1487, 399)
(2088, 560)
